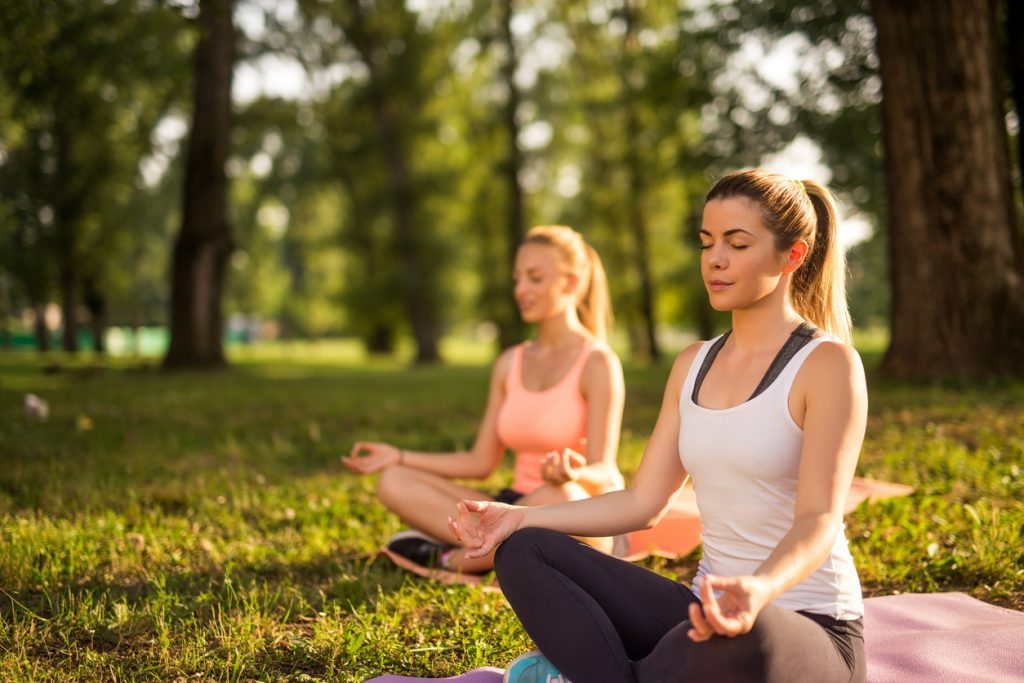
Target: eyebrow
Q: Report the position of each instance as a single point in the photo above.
(730, 231)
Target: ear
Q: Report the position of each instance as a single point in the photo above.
(795, 256)
(572, 283)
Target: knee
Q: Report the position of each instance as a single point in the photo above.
(742, 659)
(520, 547)
(392, 484)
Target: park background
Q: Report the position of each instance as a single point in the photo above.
(237, 235)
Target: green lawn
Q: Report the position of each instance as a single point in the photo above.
(200, 526)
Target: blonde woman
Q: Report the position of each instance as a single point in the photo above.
(768, 420)
(556, 401)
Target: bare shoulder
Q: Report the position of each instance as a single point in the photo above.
(687, 355)
(602, 360)
(835, 355)
(681, 366)
(685, 359)
(833, 362)
(503, 365)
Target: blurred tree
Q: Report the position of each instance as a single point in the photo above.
(1014, 40)
(628, 106)
(955, 246)
(84, 95)
(635, 167)
(289, 265)
(204, 244)
(388, 150)
(368, 31)
(510, 327)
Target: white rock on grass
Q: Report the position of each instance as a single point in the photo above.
(36, 408)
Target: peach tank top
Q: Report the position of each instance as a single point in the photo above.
(533, 423)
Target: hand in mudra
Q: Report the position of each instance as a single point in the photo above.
(483, 524)
(368, 457)
(559, 468)
(729, 606)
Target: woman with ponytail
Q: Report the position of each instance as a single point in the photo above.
(556, 401)
(768, 420)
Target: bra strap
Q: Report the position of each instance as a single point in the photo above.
(797, 339)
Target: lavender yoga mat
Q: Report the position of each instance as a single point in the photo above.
(947, 637)
(487, 674)
(912, 638)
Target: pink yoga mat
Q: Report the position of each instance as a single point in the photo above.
(912, 638)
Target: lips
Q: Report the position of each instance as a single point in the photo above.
(718, 285)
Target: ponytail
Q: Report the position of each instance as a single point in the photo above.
(593, 303)
(819, 284)
(801, 210)
(594, 306)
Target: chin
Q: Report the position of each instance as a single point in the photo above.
(720, 304)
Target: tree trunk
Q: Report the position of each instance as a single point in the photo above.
(510, 325)
(417, 288)
(96, 304)
(69, 294)
(1015, 65)
(955, 249)
(637, 185)
(204, 244)
(42, 333)
(68, 212)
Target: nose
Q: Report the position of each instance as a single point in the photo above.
(715, 257)
(519, 288)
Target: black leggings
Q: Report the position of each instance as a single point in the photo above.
(600, 619)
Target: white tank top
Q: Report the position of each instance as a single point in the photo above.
(743, 461)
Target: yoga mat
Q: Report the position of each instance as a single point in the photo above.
(911, 638)
(486, 582)
(488, 674)
(676, 535)
(873, 489)
(947, 637)
(678, 532)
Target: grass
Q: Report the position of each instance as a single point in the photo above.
(199, 526)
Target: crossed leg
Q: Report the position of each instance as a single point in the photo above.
(599, 618)
(424, 501)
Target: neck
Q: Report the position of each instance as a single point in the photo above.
(764, 325)
(560, 331)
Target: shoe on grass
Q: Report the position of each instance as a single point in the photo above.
(418, 547)
(532, 667)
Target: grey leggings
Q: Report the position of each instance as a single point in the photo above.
(600, 619)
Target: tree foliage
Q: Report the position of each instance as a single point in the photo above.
(385, 198)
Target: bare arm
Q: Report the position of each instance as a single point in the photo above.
(833, 423)
(477, 463)
(659, 478)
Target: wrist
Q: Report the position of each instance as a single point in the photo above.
(765, 590)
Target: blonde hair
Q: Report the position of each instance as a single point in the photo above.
(593, 304)
(793, 210)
